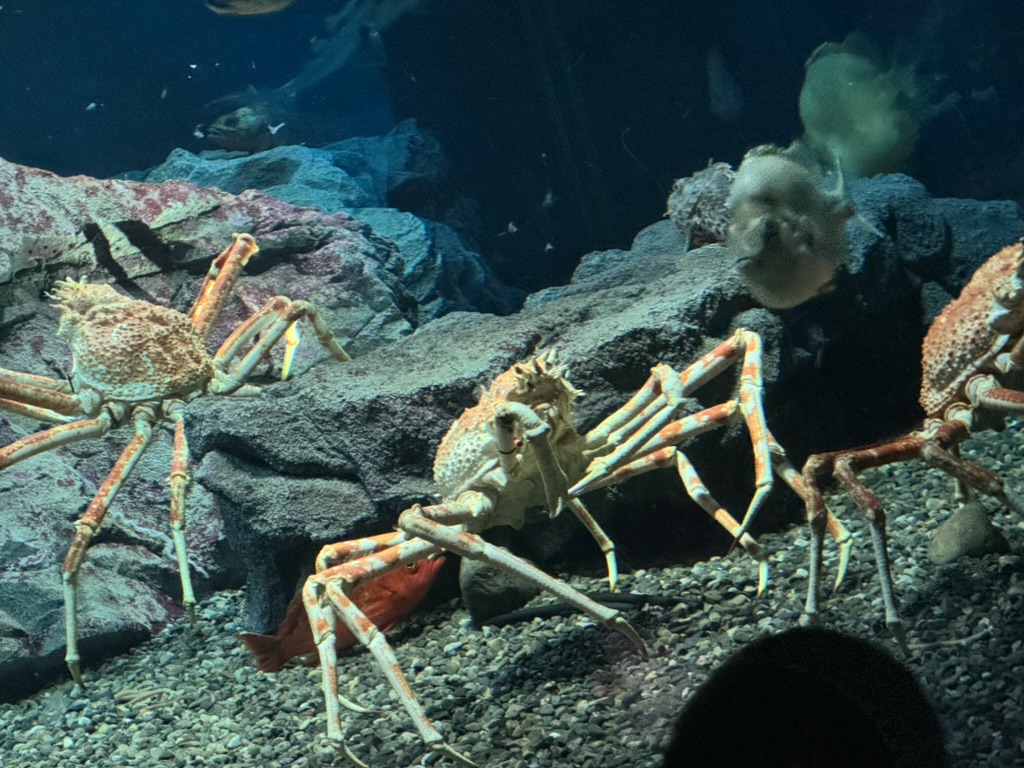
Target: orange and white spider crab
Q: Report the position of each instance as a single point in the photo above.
(519, 448)
(141, 363)
(972, 377)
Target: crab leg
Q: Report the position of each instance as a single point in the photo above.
(536, 431)
(89, 523)
(625, 463)
(178, 482)
(713, 363)
(653, 407)
(42, 398)
(441, 525)
(62, 434)
(31, 379)
(324, 596)
(657, 402)
(275, 319)
(436, 527)
(220, 279)
(604, 541)
(844, 466)
(346, 551)
(835, 528)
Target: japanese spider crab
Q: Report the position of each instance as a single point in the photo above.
(971, 376)
(517, 448)
(141, 363)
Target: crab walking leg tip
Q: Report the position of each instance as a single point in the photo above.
(613, 573)
(844, 562)
(762, 577)
(624, 627)
(355, 706)
(76, 672)
(350, 755)
(450, 751)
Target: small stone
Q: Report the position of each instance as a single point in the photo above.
(967, 532)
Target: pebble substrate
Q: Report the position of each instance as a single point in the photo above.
(565, 691)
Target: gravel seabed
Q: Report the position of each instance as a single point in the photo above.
(565, 691)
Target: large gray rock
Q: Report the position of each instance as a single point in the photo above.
(367, 177)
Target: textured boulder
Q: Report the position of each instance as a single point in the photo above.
(371, 178)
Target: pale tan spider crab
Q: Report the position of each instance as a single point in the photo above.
(971, 377)
(517, 448)
(141, 363)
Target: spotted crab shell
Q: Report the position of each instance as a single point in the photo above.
(972, 330)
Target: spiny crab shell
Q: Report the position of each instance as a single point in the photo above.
(974, 329)
(469, 450)
(127, 349)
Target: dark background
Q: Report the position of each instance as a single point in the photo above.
(594, 105)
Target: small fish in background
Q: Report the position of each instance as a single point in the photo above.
(247, 7)
(384, 600)
(723, 91)
(249, 128)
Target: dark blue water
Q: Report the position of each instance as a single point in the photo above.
(566, 119)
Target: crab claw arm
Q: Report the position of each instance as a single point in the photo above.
(434, 524)
(220, 279)
(536, 432)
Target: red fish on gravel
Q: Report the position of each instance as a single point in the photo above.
(384, 600)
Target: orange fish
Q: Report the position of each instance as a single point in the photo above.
(384, 600)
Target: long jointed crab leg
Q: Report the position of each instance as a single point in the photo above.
(89, 523)
(220, 279)
(935, 445)
(62, 434)
(274, 320)
(30, 379)
(659, 391)
(656, 403)
(442, 526)
(845, 465)
(339, 552)
(835, 528)
(324, 596)
(437, 527)
(40, 397)
(661, 451)
(178, 482)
